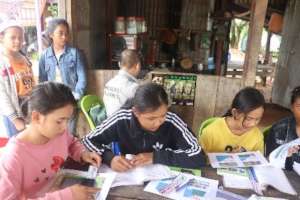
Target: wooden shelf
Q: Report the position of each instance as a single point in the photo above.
(126, 34)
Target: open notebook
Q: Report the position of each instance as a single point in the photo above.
(139, 175)
(259, 177)
(278, 156)
(103, 181)
(135, 176)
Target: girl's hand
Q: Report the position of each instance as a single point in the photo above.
(120, 164)
(81, 192)
(238, 149)
(92, 158)
(19, 124)
(292, 150)
(142, 159)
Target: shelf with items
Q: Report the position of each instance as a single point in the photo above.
(118, 42)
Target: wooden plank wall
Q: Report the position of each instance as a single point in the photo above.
(287, 69)
(213, 97)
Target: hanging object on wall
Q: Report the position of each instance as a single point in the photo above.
(275, 23)
(186, 63)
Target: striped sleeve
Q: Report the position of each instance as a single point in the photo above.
(185, 152)
(99, 139)
(186, 134)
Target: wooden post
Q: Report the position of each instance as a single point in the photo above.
(219, 52)
(257, 18)
(267, 53)
(38, 26)
(62, 12)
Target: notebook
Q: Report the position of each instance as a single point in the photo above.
(260, 177)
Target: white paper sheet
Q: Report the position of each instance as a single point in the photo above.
(139, 175)
(296, 167)
(235, 181)
(278, 156)
(226, 195)
(269, 175)
(102, 180)
(254, 197)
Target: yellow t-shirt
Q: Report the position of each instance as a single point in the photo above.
(217, 137)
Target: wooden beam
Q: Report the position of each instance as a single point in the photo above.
(62, 9)
(219, 52)
(267, 52)
(66, 10)
(257, 18)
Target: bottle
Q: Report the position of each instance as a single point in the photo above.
(131, 25)
(200, 67)
(173, 63)
(120, 25)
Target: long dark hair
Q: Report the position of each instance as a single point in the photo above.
(247, 100)
(47, 97)
(148, 97)
(295, 94)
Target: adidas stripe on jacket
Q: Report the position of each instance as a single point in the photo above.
(172, 144)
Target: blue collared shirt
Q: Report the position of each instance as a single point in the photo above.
(71, 68)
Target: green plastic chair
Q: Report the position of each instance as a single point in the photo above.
(205, 124)
(265, 133)
(86, 103)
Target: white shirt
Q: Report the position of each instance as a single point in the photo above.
(58, 77)
(118, 90)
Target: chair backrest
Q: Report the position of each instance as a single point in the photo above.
(86, 103)
(265, 133)
(205, 124)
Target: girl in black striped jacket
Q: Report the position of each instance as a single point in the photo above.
(146, 129)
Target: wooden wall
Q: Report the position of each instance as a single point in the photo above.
(213, 97)
(288, 70)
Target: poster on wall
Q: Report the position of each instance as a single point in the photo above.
(180, 88)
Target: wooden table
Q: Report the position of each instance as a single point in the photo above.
(137, 192)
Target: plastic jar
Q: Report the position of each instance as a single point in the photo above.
(120, 25)
(139, 24)
(131, 25)
(144, 25)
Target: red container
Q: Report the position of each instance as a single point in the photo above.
(275, 23)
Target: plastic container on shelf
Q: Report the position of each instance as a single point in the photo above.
(131, 25)
(144, 26)
(120, 25)
(139, 24)
(275, 23)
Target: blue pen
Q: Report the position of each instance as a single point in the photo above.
(254, 181)
(116, 149)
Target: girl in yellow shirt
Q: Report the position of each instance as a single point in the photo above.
(237, 131)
